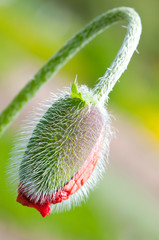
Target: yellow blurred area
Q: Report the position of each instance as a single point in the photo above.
(150, 117)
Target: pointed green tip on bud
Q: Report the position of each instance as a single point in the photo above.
(75, 93)
(85, 95)
(61, 155)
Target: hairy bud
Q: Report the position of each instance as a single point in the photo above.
(63, 156)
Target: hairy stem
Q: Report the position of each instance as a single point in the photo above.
(120, 63)
(55, 63)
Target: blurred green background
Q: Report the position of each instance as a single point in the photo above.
(125, 205)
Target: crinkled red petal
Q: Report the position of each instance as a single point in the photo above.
(44, 208)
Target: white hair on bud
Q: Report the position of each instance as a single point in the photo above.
(25, 134)
(82, 194)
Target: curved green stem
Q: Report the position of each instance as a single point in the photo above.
(89, 32)
(120, 63)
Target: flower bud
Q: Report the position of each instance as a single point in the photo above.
(64, 153)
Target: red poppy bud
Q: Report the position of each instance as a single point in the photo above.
(62, 153)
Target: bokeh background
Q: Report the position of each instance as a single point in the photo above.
(125, 205)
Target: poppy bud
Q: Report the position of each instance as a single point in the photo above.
(63, 157)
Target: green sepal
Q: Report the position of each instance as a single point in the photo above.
(75, 93)
(87, 97)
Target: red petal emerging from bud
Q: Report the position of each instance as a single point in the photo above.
(44, 208)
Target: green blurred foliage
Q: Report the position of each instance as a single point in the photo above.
(39, 28)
